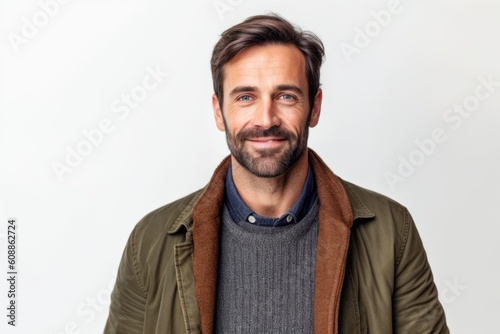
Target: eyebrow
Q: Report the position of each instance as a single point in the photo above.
(242, 89)
(293, 88)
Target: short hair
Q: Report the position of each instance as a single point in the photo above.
(262, 30)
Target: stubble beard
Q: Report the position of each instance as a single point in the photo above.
(269, 162)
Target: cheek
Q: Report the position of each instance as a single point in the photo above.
(230, 128)
(235, 122)
(297, 125)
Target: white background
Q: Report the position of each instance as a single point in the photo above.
(63, 77)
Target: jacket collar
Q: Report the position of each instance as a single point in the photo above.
(214, 190)
(185, 219)
(359, 209)
(339, 207)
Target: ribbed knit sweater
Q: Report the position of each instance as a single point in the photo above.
(266, 276)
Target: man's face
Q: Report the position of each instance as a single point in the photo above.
(266, 112)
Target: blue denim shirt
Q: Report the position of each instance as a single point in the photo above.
(240, 212)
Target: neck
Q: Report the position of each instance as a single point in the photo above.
(271, 196)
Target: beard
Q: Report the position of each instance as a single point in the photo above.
(267, 162)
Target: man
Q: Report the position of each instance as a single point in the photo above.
(275, 243)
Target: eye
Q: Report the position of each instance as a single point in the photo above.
(287, 97)
(244, 98)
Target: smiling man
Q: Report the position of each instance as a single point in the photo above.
(276, 242)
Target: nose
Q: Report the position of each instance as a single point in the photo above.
(266, 114)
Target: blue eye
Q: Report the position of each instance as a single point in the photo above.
(287, 97)
(245, 98)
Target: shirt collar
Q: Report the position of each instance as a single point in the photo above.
(240, 212)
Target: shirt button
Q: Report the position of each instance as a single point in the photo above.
(289, 218)
(252, 219)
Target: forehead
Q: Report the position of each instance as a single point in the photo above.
(266, 64)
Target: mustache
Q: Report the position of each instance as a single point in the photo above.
(274, 131)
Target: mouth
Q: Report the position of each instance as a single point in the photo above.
(265, 139)
(266, 142)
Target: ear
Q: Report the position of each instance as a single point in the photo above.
(316, 111)
(219, 121)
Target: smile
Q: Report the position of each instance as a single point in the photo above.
(265, 140)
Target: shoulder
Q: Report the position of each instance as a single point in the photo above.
(365, 201)
(369, 197)
(378, 215)
(166, 219)
(165, 225)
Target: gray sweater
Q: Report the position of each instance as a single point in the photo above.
(266, 276)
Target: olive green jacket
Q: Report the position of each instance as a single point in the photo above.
(372, 273)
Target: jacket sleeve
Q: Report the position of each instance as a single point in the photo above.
(416, 307)
(128, 299)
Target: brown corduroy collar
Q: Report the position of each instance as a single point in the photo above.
(335, 221)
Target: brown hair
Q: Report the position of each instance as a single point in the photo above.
(261, 30)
